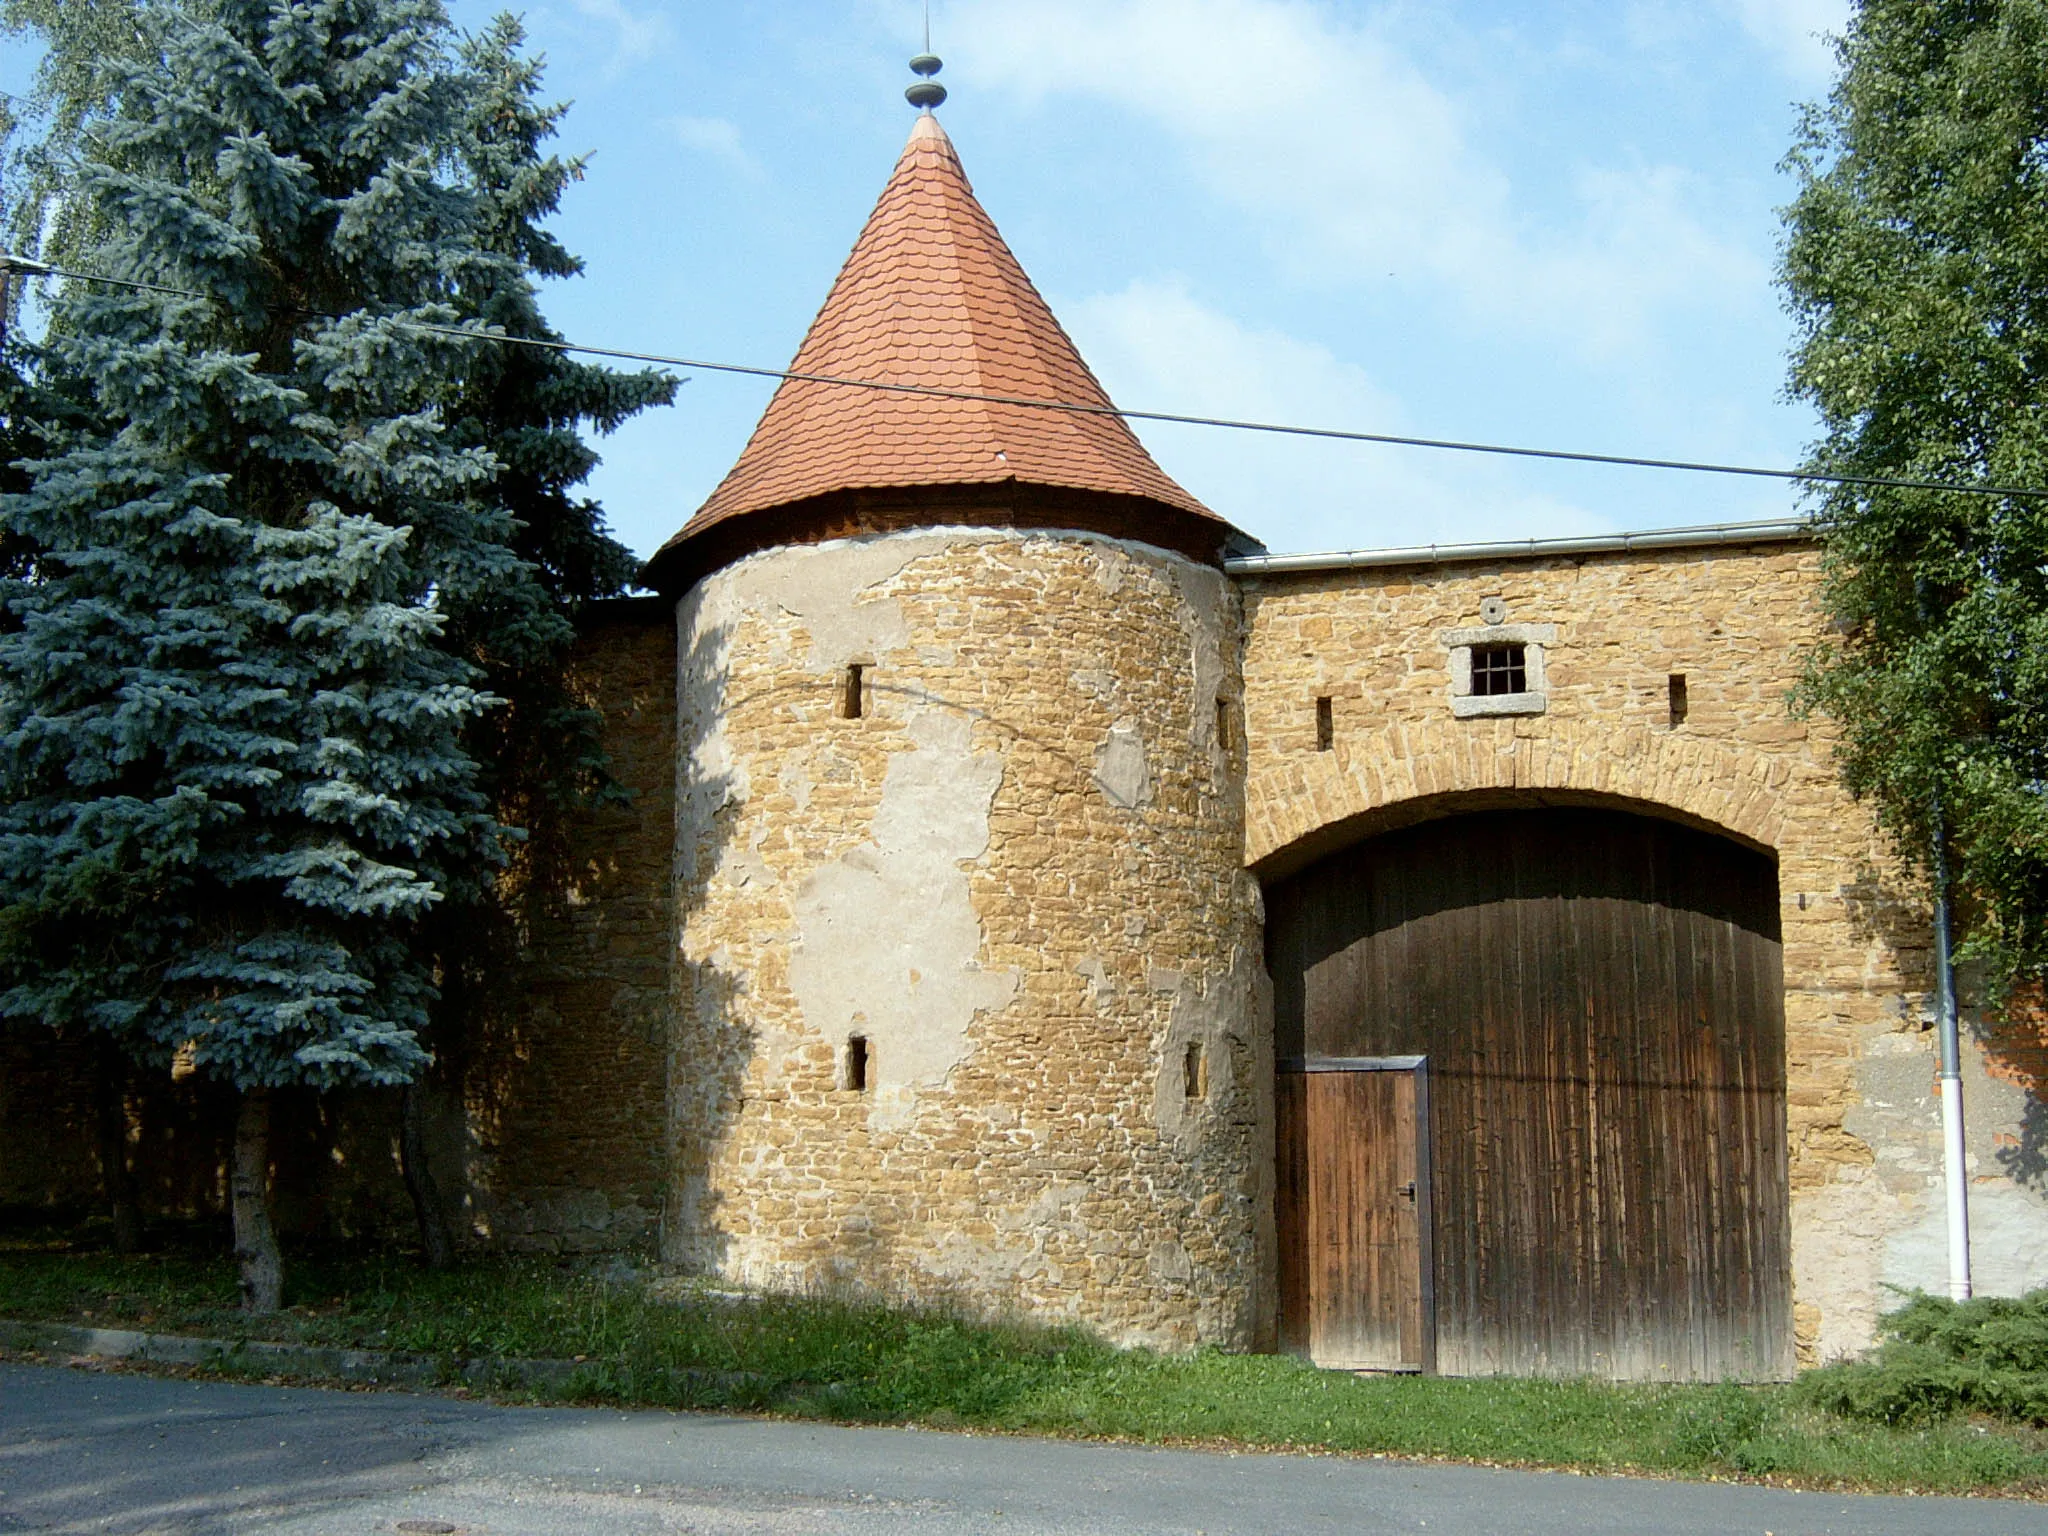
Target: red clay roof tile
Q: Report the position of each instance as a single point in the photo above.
(931, 295)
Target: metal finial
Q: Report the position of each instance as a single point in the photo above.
(925, 93)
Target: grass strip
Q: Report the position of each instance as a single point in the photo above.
(652, 1341)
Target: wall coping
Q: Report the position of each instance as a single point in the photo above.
(1771, 531)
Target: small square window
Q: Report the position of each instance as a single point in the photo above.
(1498, 669)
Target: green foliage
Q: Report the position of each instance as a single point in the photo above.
(1939, 1358)
(232, 775)
(679, 1344)
(526, 406)
(294, 599)
(88, 44)
(1916, 265)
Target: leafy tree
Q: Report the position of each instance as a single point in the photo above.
(88, 44)
(1916, 263)
(233, 775)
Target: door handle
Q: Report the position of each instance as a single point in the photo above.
(1407, 1192)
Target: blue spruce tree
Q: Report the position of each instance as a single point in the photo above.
(235, 780)
(540, 752)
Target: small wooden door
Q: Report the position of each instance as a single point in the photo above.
(1354, 1213)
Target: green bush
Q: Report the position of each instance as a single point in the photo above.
(1939, 1358)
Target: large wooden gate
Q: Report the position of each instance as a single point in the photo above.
(1600, 1001)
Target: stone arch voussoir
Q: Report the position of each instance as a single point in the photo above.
(1299, 809)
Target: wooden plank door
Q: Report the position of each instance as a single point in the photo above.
(1601, 998)
(1354, 1214)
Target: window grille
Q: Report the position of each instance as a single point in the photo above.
(1498, 669)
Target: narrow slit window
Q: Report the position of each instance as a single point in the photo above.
(1498, 669)
(857, 1062)
(850, 697)
(1195, 1071)
(1680, 705)
(1326, 725)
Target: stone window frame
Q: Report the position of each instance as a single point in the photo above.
(1534, 640)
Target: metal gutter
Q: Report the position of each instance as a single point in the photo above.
(1772, 531)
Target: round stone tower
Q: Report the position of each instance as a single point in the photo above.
(971, 1006)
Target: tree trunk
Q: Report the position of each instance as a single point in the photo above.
(249, 1191)
(430, 1211)
(117, 1181)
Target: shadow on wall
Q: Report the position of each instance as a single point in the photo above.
(2015, 1041)
(335, 1173)
(552, 1118)
(546, 1101)
(708, 1049)
(1882, 910)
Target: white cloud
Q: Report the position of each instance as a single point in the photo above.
(636, 35)
(1794, 33)
(1312, 121)
(716, 138)
(1157, 347)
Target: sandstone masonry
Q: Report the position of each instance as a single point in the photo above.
(1734, 622)
(1016, 877)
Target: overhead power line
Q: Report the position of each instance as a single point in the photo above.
(15, 264)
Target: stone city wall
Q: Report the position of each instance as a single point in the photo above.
(560, 1125)
(49, 1164)
(1867, 1209)
(1003, 885)
(547, 1122)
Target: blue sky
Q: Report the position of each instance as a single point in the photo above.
(1548, 223)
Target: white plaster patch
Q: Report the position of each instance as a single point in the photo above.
(709, 774)
(2008, 1244)
(887, 935)
(1101, 990)
(1122, 771)
(1098, 684)
(1208, 615)
(1838, 1239)
(1209, 1012)
(825, 588)
(1874, 1234)
(1169, 1261)
(796, 781)
(1057, 1205)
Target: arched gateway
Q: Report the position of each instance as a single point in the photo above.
(1531, 1095)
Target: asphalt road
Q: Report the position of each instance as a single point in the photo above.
(89, 1451)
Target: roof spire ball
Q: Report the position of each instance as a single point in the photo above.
(925, 93)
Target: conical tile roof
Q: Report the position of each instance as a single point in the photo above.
(932, 296)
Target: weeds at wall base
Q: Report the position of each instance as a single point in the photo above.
(535, 1331)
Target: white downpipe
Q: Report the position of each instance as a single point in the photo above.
(1955, 1167)
(1958, 1187)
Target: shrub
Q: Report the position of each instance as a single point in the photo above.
(1938, 1358)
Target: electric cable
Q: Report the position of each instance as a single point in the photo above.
(16, 264)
